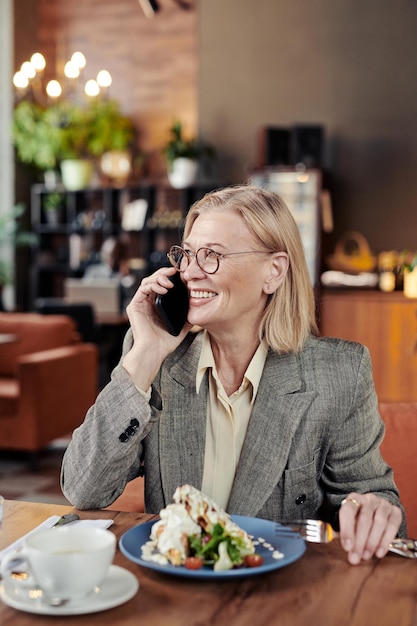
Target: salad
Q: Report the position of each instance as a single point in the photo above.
(194, 531)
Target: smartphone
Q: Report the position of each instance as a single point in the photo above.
(172, 307)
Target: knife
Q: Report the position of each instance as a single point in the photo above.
(67, 519)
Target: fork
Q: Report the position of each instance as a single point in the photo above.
(318, 531)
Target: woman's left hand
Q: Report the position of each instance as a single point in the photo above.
(368, 524)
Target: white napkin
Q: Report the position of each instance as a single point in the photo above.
(49, 523)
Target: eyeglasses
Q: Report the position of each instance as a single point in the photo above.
(207, 259)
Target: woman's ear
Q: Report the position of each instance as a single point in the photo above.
(276, 272)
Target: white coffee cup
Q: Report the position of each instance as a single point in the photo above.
(63, 563)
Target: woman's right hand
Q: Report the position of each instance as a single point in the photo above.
(152, 342)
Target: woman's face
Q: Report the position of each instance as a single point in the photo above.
(233, 299)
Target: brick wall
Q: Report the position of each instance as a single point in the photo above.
(153, 62)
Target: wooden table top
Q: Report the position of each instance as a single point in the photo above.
(320, 589)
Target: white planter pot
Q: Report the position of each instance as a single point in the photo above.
(76, 173)
(183, 173)
(53, 216)
(51, 179)
(410, 283)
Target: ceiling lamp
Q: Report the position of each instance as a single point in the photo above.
(29, 81)
(149, 7)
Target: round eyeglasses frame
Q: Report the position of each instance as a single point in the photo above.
(203, 256)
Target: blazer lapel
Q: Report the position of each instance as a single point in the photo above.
(184, 456)
(280, 404)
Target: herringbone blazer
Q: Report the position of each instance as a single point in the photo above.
(313, 435)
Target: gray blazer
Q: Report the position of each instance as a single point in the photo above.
(313, 436)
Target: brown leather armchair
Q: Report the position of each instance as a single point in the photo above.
(48, 380)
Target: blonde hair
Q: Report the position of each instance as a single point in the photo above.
(289, 316)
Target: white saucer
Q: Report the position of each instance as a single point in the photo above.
(118, 587)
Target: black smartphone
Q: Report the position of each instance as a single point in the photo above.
(172, 307)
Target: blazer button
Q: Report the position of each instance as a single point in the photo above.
(300, 499)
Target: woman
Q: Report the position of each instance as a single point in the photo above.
(246, 403)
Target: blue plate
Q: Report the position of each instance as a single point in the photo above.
(292, 547)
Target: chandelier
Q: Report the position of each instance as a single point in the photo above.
(29, 80)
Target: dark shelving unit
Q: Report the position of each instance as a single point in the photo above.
(87, 217)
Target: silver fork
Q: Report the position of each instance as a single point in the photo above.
(318, 531)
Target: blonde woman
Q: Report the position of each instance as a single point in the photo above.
(247, 403)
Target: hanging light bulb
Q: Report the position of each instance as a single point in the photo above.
(28, 70)
(71, 70)
(53, 89)
(104, 78)
(20, 81)
(92, 88)
(31, 76)
(79, 59)
(38, 61)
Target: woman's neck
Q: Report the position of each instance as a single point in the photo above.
(232, 360)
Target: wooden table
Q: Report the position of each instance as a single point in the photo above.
(320, 589)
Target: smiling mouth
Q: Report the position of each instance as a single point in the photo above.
(202, 294)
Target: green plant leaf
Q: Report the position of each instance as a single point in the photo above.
(178, 147)
(44, 137)
(11, 233)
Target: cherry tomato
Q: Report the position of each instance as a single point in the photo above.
(253, 560)
(193, 562)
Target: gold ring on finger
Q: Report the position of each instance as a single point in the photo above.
(353, 501)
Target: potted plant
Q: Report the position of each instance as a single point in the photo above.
(74, 124)
(46, 137)
(110, 128)
(52, 205)
(409, 270)
(64, 133)
(111, 140)
(183, 155)
(11, 235)
(36, 139)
